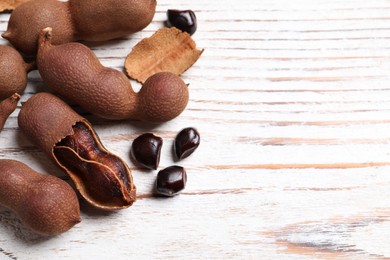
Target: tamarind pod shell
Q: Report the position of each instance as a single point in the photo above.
(46, 119)
(102, 178)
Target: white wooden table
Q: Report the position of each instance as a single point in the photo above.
(292, 101)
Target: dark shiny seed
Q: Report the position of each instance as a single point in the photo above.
(184, 20)
(171, 180)
(186, 142)
(146, 150)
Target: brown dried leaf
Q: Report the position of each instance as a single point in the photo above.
(9, 5)
(169, 49)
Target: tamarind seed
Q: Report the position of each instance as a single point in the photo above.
(146, 149)
(171, 180)
(186, 142)
(184, 20)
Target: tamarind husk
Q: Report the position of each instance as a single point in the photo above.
(102, 178)
(9, 5)
(167, 50)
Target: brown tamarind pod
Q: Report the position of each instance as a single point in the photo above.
(29, 18)
(44, 203)
(91, 20)
(13, 72)
(74, 71)
(102, 178)
(101, 20)
(7, 106)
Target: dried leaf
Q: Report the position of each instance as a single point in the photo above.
(9, 5)
(169, 49)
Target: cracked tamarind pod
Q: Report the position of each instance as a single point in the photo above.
(102, 178)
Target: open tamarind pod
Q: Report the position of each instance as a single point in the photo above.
(102, 178)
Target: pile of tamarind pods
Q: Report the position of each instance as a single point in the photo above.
(49, 31)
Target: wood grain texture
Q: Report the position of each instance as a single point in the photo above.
(292, 101)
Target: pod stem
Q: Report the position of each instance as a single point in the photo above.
(7, 106)
(45, 36)
(9, 102)
(6, 35)
(30, 66)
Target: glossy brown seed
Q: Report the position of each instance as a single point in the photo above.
(186, 142)
(171, 180)
(184, 20)
(146, 150)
